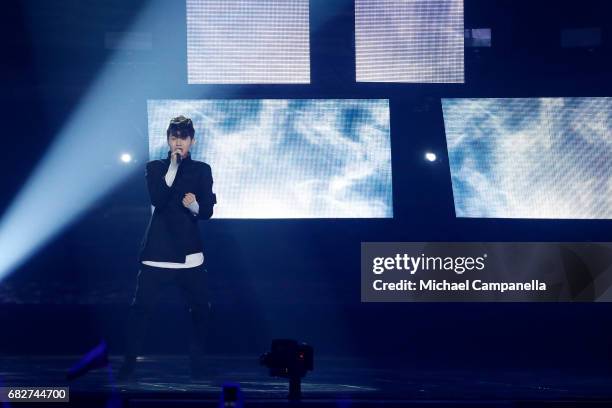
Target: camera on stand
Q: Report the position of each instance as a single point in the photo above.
(289, 359)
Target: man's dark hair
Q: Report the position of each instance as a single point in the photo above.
(180, 127)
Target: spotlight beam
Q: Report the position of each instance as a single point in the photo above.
(80, 167)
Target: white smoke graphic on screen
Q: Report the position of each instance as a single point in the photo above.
(288, 158)
(531, 157)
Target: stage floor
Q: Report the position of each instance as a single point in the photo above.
(341, 382)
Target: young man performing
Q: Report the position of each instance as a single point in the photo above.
(180, 189)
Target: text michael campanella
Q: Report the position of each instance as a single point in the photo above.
(457, 264)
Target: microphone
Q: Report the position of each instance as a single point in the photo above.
(178, 158)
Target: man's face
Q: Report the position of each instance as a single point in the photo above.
(180, 145)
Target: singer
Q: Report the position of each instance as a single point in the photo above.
(180, 189)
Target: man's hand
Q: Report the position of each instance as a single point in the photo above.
(188, 199)
(174, 160)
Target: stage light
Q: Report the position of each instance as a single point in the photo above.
(94, 359)
(80, 164)
(429, 156)
(530, 157)
(231, 396)
(126, 157)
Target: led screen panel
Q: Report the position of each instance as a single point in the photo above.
(530, 157)
(248, 42)
(409, 41)
(314, 158)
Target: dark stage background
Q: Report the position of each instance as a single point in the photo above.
(290, 278)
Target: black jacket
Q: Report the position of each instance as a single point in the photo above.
(173, 231)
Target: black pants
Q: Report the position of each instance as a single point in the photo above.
(151, 281)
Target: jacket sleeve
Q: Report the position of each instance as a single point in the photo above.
(159, 192)
(204, 195)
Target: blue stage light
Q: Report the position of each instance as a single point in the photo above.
(126, 158)
(80, 166)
